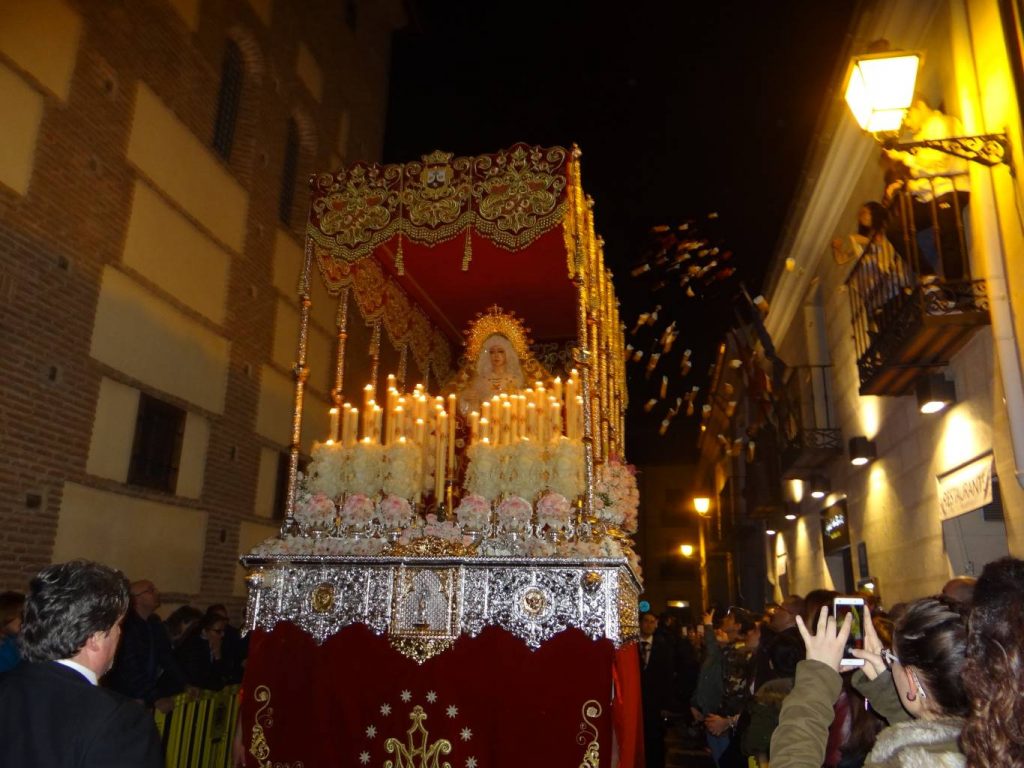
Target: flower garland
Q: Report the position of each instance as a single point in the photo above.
(400, 475)
(327, 470)
(483, 476)
(525, 469)
(367, 468)
(474, 513)
(616, 496)
(565, 468)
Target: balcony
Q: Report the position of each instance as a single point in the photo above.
(913, 300)
(810, 435)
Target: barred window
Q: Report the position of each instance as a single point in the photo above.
(156, 450)
(228, 100)
(291, 167)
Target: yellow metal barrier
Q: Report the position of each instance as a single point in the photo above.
(198, 731)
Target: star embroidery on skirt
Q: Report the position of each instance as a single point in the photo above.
(371, 731)
(431, 697)
(364, 758)
(406, 696)
(453, 711)
(470, 762)
(466, 734)
(385, 709)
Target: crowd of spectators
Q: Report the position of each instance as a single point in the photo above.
(941, 681)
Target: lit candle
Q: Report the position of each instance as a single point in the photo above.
(398, 431)
(378, 419)
(391, 381)
(334, 424)
(474, 427)
(485, 411)
(531, 421)
(442, 426)
(450, 434)
(557, 390)
(556, 420)
(506, 422)
(420, 432)
(485, 430)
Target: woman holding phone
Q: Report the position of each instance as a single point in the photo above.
(916, 686)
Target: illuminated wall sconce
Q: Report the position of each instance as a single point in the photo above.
(880, 91)
(862, 451)
(935, 392)
(770, 532)
(702, 504)
(686, 550)
(791, 516)
(819, 487)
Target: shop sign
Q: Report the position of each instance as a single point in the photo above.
(835, 532)
(967, 488)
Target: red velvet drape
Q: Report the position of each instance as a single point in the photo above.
(493, 700)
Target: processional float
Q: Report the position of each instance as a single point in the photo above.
(454, 582)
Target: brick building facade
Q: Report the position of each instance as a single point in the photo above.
(152, 196)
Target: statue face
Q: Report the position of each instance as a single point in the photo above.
(498, 359)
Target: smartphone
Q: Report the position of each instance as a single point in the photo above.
(854, 606)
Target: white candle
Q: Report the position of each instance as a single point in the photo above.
(334, 425)
(474, 427)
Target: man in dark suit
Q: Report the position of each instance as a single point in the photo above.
(657, 686)
(52, 712)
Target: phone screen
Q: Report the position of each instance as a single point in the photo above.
(854, 606)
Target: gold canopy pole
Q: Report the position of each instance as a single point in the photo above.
(581, 248)
(301, 373)
(375, 356)
(337, 393)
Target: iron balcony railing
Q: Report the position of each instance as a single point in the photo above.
(918, 272)
(810, 432)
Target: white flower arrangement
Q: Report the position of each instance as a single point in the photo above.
(616, 496)
(314, 511)
(514, 513)
(395, 512)
(474, 513)
(554, 511)
(327, 472)
(565, 468)
(400, 475)
(367, 468)
(525, 469)
(483, 476)
(358, 510)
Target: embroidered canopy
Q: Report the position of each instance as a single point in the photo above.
(462, 233)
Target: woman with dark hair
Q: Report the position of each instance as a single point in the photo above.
(994, 673)
(916, 687)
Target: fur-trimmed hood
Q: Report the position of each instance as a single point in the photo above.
(919, 744)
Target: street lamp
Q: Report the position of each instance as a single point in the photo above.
(880, 91)
(702, 504)
(686, 550)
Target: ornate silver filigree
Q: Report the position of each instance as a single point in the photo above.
(436, 599)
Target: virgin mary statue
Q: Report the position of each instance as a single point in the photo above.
(497, 370)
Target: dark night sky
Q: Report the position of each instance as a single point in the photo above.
(680, 108)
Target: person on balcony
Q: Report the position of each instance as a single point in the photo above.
(881, 273)
(939, 189)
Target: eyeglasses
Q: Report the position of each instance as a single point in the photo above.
(889, 658)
